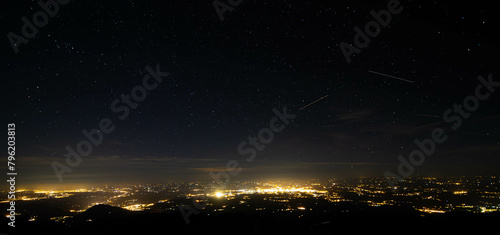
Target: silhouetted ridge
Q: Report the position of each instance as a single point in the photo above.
(103, 212)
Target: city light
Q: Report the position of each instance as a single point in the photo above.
(284, 196)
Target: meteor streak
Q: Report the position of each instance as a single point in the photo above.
(313, 102)
(390, 76)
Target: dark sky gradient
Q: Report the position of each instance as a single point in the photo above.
(226, 78)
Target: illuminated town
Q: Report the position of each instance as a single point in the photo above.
(426, 195)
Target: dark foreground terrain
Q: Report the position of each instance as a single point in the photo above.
(350, 217)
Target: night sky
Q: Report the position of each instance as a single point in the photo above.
(226, 77)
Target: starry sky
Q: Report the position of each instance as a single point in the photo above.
(226, 77)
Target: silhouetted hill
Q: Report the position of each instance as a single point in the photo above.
(104, 219)
(103, 212)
